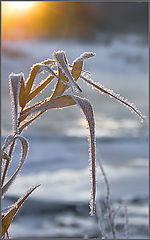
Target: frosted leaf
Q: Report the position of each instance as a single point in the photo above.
(46, 68)
(24, 144)
(51, 62)
(26, 124)
(8, 217)
(88, 112)
(116, 96)
(58, 102)
(65, 83)
(60, 57)
(34, 71)
(26, 194)
(14, 84)
(8, 141)
(62, 85)
(28, 111)
(29, 83)
(84, 56)
(39, 88)
(77, 65)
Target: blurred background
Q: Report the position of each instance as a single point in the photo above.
(58, 154)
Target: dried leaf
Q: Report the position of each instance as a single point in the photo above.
(22, 159)
(78, 64)
(27, 110)
(77, 69)
(60, 86)
(46, 68)
(30, 121)
(8, 217)
(59, 90)
(29, 83)
(60, 57)
(22, 94)
(88, 112)
(49, 61)
(25, 113)
(43, 85)
(59, 102)
(34, 71)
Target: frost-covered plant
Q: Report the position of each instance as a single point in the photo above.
(23, 114)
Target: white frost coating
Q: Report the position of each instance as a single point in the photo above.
(120, 99)
(89, 114)
(14, 84)
(84, 56)
(27, 193)
(66, 83)
(46, 68)
(9, 139)
(60, 57)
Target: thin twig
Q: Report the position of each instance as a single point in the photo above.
(115, 213)
(108, 204)
(100, 221)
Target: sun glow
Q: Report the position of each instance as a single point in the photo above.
(19, 5)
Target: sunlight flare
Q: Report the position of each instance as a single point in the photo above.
(19, 5)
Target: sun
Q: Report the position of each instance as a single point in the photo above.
(19, 5)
